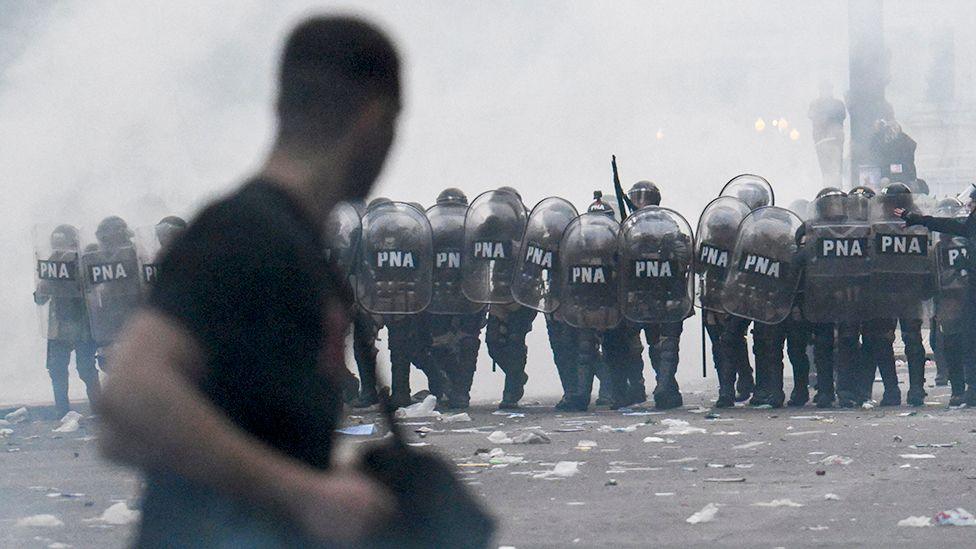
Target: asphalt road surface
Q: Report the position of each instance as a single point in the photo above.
(778, 478)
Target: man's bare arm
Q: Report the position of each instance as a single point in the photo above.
(154, 417)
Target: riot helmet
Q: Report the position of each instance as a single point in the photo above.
(169, 228)
(862, 191)
(452, 195)
(644, 193)
(378, 201)
(897, 195)
(830, 204)
(64, 237)
(752, 189)
(510, 190)
(599, 205)
(113, 231)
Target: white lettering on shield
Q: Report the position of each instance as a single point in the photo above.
(537, 256)
(588, 275)
(894, 244)
(394, 259)
(758, 264)
(107, 272)
(714, 256)
(448, 260)
(652, 268)
(489, 250)
(55, 270)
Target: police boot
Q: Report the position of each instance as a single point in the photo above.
(957, 400)
(916, 386)
(514, 389)
(892, 394)
(400, 379)
(619, 388)
(667, 395)
(824, 399)
(744, 384)
(799, 397)
(726, 386)
(604, 396)
(774, 390)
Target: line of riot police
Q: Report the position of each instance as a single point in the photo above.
(86, 285)
(843, 275)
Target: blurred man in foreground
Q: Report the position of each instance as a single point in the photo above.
(224, 392)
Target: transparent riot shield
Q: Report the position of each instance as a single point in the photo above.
(447, 224)
(343, 230)
(149, 251)
(493, 229)
(952, 267)
(535, 284)
(754, 190)
(588, 272)
(763, 273)
(901, 270)
(113, 285)
(57, 283)
(837, 247)
(715, 238)
(656, 260)
(394, 274)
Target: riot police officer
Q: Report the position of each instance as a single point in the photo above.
(64, 318)
(455, 322)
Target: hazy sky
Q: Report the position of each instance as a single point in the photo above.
(144, 109)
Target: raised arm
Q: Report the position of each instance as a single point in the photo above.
(155, 418)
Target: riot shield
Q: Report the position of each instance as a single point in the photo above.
(715, 238)
(394, 274)
(763, 274)
(57, 283)
(447, 224)
(149, 252)
(113, 287)
(952, 267)
(837, 249)
(535, 284)
(656, 257)
(901, 270)
(754, 190)
(343, 230)
(588, 264)
(493, 229)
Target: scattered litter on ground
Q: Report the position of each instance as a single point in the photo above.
(698, 410)
(955, 517)
(727, 433)
(59, 545)
(575, 503)
(718, 466)
(69, 423)
(917, 456)
(563, 469)
(867, 406)
(707, 514)
(817, 528)
(642, 413)
(358, 430)
(683, 460)
(915, 522)
(726, 479)
(907, 414)
(425, 408)
(933, 445)
(679, 427)
(509, 415)
(744, 465)
(835, 459)
(628, 429)
(586, 445)
(40, 521)
(663, 494)
(117, 514)
(4, 433)
(777, 503)
(659, 439)
(570, 430)
(68, 495)
(525, 437)
(831, 497)
(804, 433)
(610, 482)
(17, 416)
(821, 472)
(463, 416)
(811, 418)
(748, 445)
(418, 444)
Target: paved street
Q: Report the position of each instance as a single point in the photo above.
(768, 472)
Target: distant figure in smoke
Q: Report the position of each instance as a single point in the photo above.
(828, 114)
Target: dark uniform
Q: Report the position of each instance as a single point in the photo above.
(508, 324)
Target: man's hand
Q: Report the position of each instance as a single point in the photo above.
(341, 506)
(900, 212)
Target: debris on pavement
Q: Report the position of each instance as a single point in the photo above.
(611, 482)
(831, 497)
(917, 456)
(915, 522)
(425, 408)
(463, 416)
(6, 432)
(679, 427)
(533, 436)
(748, 445)
(586, 445)
(707, 514)
(777, 503)
(69, 423)
(563, 469)
(40, 521)
(955, 517)
(358, 430)
(627, 429)
(659, 439)
(117, 514)
(17, 416)
(835, 459)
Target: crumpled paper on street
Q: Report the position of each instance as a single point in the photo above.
(40, 521)
(707, 514)
(424, 408)
(563, 469)
(69, 423)
(17, 416)
(117, 514)
(679, 427)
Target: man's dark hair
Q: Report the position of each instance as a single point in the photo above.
(330, 68)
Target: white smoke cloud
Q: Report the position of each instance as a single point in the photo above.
(144, 109)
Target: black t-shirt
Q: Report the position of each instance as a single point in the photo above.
(249, 279)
